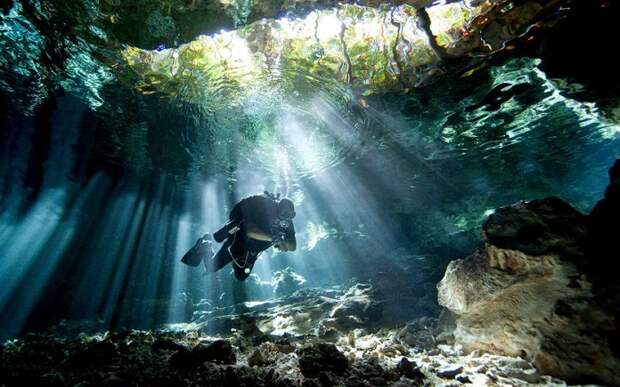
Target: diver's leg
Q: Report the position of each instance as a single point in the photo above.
(242, 273)
(221, 259)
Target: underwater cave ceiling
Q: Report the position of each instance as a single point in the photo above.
(372, 50)
(228, 82)
(317, 68)
(150, 23)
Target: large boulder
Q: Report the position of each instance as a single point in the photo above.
(527, 294)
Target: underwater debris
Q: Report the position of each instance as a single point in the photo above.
(449, 371)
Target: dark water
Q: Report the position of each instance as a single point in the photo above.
(109, 175)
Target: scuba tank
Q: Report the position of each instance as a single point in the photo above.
(227, 230)
(232, 226)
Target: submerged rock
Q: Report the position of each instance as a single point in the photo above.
(409, 369)
(271, 353)
(286, 282)
(162, 344)
(318, 358)
(449, 372)
(538, 227)
(527, 295)
(45, 359)
(357, 307)
(97, 353)
(420, 333)
(219, 351)
(603, 223)
(256, 359)
(328, 312)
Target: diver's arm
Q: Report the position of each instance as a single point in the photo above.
(288, 245)
(290, 242)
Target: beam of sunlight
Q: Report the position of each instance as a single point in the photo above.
(38, 243)
(184, 240)
(28, 238)
(139, 287)
(203, 212)
(128, 241)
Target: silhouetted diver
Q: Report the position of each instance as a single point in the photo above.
(255, 224)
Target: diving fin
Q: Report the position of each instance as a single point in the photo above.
(196, 254)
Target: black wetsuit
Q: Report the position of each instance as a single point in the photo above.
(242, 250)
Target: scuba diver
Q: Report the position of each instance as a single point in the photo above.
(255, 224)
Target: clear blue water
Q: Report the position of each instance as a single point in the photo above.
(105, 186)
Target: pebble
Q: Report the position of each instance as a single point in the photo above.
(463, 378)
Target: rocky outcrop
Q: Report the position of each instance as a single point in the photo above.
(409, 370)
(531, 291)
(219, 351)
